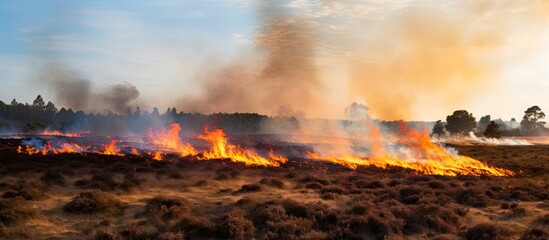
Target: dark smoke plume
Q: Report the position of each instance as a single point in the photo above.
(71, 90)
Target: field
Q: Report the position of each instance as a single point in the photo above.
(73, 196)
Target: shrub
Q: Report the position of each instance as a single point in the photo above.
(431, 219)
(165, 212)
(437, 185)
(289, 228)
(134, 232)
(102, 181)
(53, 178)
(370, 185)
(377, 227)
(171, 236)
(314, 180)
(246, 188)
(269, 211)
(225, 173)
(517, 212)
(313, 186)
(486, 231)
(295, 209)
(471, 198)
(14, 211)
(235, 226)
(27, 193)
(130, 181)
(409, 195)
(359, 209)
(535, 234)
(94, 202)
(333, 189)
(175, 175)
(102, 235)
(272, 182)
(543, 220)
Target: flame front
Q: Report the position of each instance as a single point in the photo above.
(169, 140)
(221, 149)
(60, 134)
(110, 149)
(48, 148)
(425, 157)
(411, 150)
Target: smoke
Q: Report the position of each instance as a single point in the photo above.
(278, 78)
(429, 55)
(71, 90)
(474, 140)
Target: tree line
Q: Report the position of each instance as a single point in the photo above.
(40, 115)
(463, 123)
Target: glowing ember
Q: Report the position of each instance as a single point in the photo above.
(169, 140)
(425, 157)
(221, 149)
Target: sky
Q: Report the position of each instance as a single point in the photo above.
(412, 60)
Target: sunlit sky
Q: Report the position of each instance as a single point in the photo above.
(162, 46)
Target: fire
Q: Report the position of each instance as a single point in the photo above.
(48, 148)
(169, 140)
(110, 149)
(221, 149)
(425, 157)
(58, 133)
(275, 157)
(157, 156)
(410, 149)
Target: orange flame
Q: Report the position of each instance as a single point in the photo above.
(135, 152)
(426, 157)
(157, 156)
(169, 140)
(110, 149)
(58, 133)
(221, 149)
(49, 149)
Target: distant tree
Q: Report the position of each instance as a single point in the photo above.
(39, 103)
(439, 129)
(492, 130)
(356, 111)
(50, 107)
(460, 122)
(137, 112)
(483, 122)
(155, 112)
(531, 121)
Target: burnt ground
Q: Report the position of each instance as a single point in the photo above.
(72, 196)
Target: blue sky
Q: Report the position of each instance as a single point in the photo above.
(163, 47)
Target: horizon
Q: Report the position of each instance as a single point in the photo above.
(150, 110)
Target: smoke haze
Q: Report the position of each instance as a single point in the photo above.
(278, 78)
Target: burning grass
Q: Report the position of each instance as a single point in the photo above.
(134, 197)
(415, 151)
